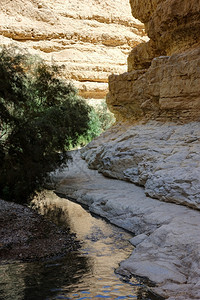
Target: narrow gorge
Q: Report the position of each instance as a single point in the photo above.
(142, 174)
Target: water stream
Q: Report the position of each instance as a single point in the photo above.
(84, 274)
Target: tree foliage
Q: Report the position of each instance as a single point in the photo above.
(100, 120)
(106, 118)
(40, 118)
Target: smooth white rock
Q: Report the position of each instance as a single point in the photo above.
(170, 255)
(163, 158)
(136, 240)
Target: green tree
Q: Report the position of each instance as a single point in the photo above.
(100, 120)
(40, 118)
(106, 118)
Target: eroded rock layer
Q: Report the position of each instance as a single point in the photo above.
(91, 38)
(163, 78)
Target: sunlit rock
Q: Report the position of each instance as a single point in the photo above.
(163, 76)
(92, 39)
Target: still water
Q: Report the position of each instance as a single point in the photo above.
(84, 274)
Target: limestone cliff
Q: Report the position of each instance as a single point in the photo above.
(163, 78)
(91, 38)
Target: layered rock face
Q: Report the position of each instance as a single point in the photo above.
(92, 39)
(163, 76)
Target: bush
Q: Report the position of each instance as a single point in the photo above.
(41, 117)
(106, 118)
(100, 120)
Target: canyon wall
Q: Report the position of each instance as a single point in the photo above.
(152, 153)
(163, 78)
(92, 39)
(154, 146)
(159, 99)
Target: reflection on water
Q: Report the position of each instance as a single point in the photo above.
(84, 274)
(40, 280)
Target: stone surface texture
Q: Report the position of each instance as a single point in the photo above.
(166, 235)
(163, 78)
(163, 158)
(91, 38)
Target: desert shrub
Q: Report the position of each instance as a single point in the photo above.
(41, 117)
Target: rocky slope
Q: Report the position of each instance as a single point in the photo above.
(162, 158)
(92, 39)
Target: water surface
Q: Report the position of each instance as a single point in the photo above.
(84, 274)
